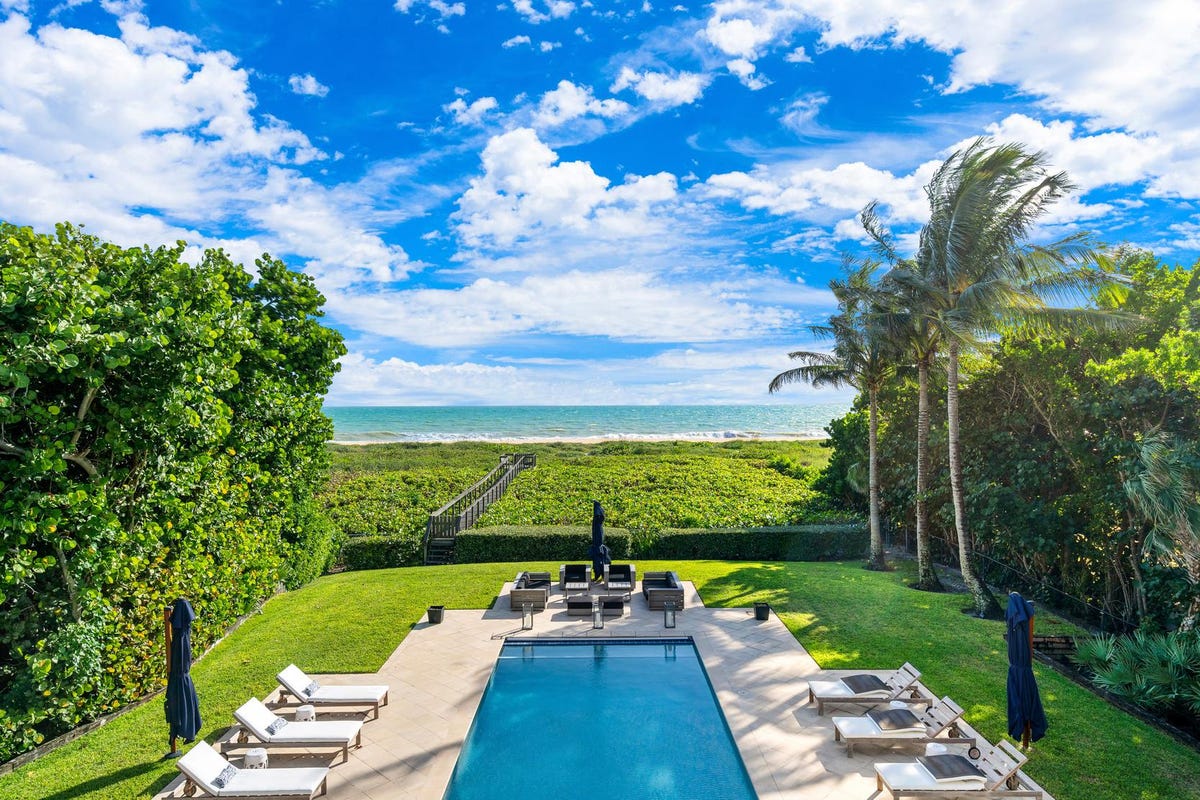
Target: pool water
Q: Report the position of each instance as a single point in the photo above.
(615, 719)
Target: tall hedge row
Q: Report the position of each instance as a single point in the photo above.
(820, 542)
(161, 435)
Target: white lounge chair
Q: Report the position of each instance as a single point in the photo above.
(263, 724)
(306, 690)
(869, 691)
(205, 769)
(998, 777)
(901, 727)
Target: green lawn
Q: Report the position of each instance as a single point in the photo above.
(845, 616)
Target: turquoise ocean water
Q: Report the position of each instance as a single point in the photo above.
(370, 424)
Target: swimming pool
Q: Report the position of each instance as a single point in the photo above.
(619, 718)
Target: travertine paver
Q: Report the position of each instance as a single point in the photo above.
(760, 672)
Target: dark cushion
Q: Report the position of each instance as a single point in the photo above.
(950, 767)
(860, 684)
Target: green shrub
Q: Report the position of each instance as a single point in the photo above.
(1157, 671)
(655, 493)
(162, 433)
(833, 542)
(570, 543)
(317, 544)
(535, 543)
(378, 552)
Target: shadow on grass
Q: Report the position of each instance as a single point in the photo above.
(102, 782)
(747, 585)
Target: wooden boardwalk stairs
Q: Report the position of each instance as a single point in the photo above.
(461, 512)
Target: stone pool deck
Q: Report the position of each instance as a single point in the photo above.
(438, 673)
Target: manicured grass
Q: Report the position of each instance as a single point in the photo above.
(845, 616)
(341, 623)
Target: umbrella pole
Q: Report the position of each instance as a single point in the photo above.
(167, 639)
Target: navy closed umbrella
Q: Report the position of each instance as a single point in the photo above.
(1026, 717)
(182, 705)
(599, 550)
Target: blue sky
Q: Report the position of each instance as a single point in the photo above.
(547, 201)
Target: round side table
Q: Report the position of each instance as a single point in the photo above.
(306, 713)
(256, 758)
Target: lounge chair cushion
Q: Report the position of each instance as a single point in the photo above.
(895, 719)
(951, 767)
(258, 719)
(912, 776)
(866, 728)
(866, 684)
(204, 766)
(298, 683)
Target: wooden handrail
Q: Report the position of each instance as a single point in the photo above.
(463, 511)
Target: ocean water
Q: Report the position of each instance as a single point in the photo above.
(372, 424)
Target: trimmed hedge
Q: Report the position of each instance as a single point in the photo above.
(381, 552)
(822, 542)
(535, 543)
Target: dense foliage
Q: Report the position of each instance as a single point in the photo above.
(1081, 454)
(1158, 671)
(161, 435)
(381, 495)
(650, 495)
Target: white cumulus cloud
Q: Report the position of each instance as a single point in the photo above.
(307, 85)
(661, 88)
(569, 101)
(470, 113)
(538, 12)
(443, 9)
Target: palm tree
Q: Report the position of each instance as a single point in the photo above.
(859, 359)
(921, 339)
(1163, 485)
(976, 273)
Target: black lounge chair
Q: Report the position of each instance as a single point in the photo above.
(574, 578)
(620, 577)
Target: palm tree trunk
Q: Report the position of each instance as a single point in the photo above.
(927, 579)
(985, 602)
(877, 559)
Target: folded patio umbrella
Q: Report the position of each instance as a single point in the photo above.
(182, 705)
(598, 551)
(1026, 717)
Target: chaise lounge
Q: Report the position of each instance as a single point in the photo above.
(274, 731)
(995, 775)
(532, 588)
(869, 691)
(207, 770)
(295, 682)
(901, 727)
(660, 588)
